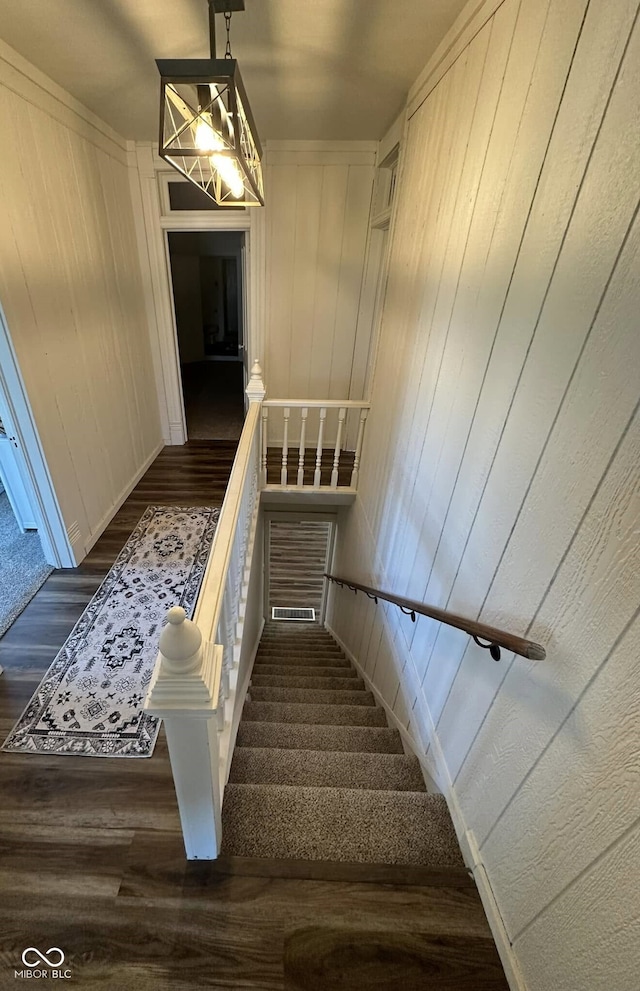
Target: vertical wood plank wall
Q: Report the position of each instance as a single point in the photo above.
(318, 198)
(500, 472)
(71, 290)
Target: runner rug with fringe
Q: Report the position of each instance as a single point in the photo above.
(89, 702)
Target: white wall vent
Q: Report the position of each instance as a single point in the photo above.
(302, 615)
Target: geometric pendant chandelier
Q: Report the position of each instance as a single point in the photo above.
(207, 131)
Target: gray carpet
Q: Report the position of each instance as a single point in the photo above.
(23, 568)
(317, 774)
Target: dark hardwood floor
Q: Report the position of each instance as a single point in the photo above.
(91, 856)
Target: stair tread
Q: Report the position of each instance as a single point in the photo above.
(282, 660)
(298, 650)
(328, 683)
(311, 696)
(318, 736)
(287, 642)
(308, 712)
(305, 670)
(326, 768)
(338, 824)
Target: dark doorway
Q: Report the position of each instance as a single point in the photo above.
(207, 279)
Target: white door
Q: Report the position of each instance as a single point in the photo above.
(11, 467)
(24, 456)
(242, 335)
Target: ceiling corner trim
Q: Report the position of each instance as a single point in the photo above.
(27, 81)
(284, 144)
(464, 29)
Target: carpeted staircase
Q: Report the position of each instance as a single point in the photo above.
(317, 774)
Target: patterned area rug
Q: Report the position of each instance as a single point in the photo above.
(89, 703)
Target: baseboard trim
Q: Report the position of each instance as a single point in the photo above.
(407, 738)
(176, 434)
(97, 532)
(473, 859)
(76, 541)
(496, 923)
(466, 838)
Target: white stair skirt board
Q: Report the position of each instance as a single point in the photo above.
(301, 615)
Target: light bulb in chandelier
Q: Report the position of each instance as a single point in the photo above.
(208, 139)
(229, 173)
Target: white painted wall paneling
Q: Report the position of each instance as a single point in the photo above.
(316, 216)
(500, 465)
(71, 291)
(587, 933)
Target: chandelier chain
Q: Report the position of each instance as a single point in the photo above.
(227, 21)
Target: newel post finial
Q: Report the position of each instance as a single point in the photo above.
(180, 643)
(255, 389)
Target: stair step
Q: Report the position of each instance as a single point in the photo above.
(309, 641)
(304, 671)
(311, 696)
(301, 649)
(259, 680)
(301, 661)
(310, 736)
(304, 712)
(291, 628)
(338, 824)
(300, 636)
(326, 769)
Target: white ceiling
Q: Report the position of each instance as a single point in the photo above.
(313, 69)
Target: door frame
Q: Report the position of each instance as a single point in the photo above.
(17, 416)
(215, 228)
(154, 219)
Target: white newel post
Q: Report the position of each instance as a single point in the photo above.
(185, 692)
(255, 389)
(255, 394)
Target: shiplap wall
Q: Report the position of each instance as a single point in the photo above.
(500, 472)
(318, 198)
(70, 287)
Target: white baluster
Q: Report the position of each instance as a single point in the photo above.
(285, 446)
(265, 419)
(303, 430)
(336, 454)
(220, 714)
(184, 691)
(235, 571)
(223, 634)
(317, 475)
(356, 460)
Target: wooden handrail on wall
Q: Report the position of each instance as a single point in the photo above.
(497, 638)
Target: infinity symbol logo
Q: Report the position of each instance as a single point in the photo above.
(41, 958)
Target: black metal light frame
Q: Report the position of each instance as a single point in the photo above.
(239, 142)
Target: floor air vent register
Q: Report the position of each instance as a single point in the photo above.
(303, 615)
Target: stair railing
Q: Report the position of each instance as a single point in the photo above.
(344, 434)
(199, 681)
(497, 638)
